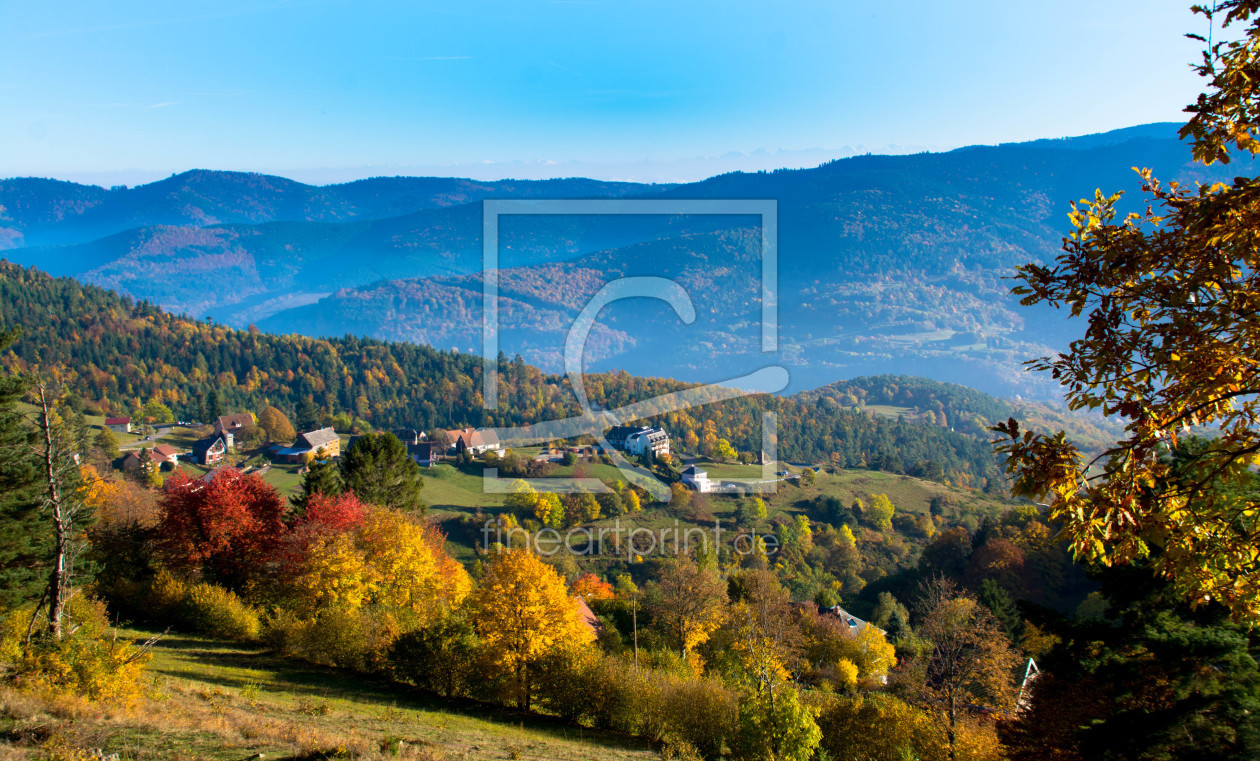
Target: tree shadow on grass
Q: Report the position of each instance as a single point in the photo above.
(214, 661)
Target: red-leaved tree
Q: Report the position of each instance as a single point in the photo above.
(225, 528)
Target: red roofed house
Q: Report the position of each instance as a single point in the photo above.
(164, 453)
(118, 424)
(476, 440)
(588, 616)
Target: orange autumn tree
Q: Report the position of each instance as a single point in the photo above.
(590, 588)
(523, 611)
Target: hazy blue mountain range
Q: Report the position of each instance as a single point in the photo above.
(888, 264)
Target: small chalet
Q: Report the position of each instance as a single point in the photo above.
(851, 621)
(309, 443)
(697, 479)
(476, 441)
(325, 439)
(132, 462)
(165, 453)
(210, 450)
(118, 424)
(425, 453)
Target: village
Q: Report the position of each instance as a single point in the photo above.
(240, 441)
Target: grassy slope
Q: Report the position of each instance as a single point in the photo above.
(225, 701)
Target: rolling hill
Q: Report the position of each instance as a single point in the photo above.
(887, 264)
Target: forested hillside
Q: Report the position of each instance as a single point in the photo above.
(120, 354)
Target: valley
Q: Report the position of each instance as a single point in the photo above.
(887, 264)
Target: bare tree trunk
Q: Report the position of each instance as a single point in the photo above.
(59, 578)
(953, 724)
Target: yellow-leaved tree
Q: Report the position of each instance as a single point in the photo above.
(410, 567)
(523, 612)
(389, 560)
(1171, 297)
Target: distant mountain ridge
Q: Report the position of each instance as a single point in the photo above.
(887, 264)
(42, 212)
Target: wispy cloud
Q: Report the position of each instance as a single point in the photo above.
(431, 58)
(163, 104)
(566, 69)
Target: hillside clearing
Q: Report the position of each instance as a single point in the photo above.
(222, 701)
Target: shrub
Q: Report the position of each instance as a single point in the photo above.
(201, 608)
(778, 726)
(567, 681)
(87, 662)
(218, 612)
(438, 657)
(905, 731)
(701, 712)
(165, 597)
(283, 631)
(360, 640)
(608, 692)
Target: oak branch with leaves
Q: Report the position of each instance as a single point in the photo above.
(1172, 344)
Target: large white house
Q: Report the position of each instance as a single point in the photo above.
(697, 479)
(639, 439)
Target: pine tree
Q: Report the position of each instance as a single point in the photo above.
(377, 468)
(1001, 605)
(213, 407)
(307, 417)
(24, 545)
(323, 477)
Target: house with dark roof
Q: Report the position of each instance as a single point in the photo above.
(118, 424)
(425, 453)
(410, 436)
(618, 434)
(638, 439)
(210, 450)
(697, 479)
(231, 425)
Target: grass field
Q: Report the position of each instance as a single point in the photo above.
(285, 478)
(446, 488)
(732, 471)
(908, 494)
(888, 410)
(223, 702)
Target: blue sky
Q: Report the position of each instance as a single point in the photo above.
(326, 91)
